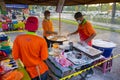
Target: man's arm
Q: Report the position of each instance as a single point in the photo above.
(90, 38)
(91, 31)
(50, 32)
(15, 50)
(44, 50)
(73, 33)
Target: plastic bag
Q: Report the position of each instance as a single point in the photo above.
(13, 75)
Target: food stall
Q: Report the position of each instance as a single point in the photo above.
(64, 59)
(74, 55)
(67, 58)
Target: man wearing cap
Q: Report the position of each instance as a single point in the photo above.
(47, 26)
(85, 30)
(32, 50)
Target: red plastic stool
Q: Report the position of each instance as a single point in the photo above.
(107, 66)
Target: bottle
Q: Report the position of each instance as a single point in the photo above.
(71, 46)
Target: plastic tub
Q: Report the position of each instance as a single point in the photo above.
(7, 50)
(3, 37)
(105, 46)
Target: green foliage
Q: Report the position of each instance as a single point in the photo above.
(106, 7)
(82, 8)
(2, 11)
(101, 7)
(118, 6)
(69, 8)
(92, 8)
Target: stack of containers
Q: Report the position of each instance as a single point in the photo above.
(6, 63)
(4, 44)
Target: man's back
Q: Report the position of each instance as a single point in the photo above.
(31, 47)
(31, 50)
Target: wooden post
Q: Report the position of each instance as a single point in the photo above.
(59, 23)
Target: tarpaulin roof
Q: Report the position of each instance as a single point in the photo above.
(55, 2)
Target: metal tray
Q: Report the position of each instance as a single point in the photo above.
(89, 51)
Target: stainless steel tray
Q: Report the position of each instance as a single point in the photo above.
(89, 51)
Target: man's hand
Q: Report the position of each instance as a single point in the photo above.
(83, 43)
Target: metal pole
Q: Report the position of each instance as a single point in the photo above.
(59, 23)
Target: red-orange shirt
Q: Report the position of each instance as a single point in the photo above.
(32, 50)
(47, 25)
(85, 31)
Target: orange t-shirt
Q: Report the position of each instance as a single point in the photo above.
(32, 50)
(47, 25)
(85, 31)
(87, 28)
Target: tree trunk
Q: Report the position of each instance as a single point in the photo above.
(113, 13)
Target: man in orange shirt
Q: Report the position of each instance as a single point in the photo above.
(47, 26)
(32, 50)
(85, 29)
(86, 33)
